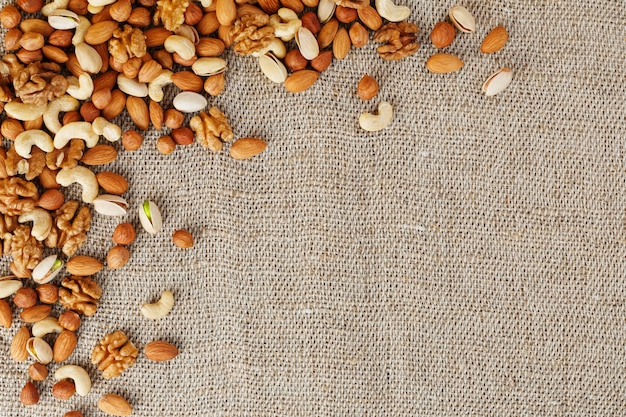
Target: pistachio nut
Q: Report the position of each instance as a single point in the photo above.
(188, 32)
(9, 286)
(150, 217)
(273, 68)
(110, 205)
(189, 102)
(47, 269)
(497, 82)
(307, 43)
(63, 19)
(39, 350)
(205, 67)
(325, 10)
(88, 58)
(462, 19)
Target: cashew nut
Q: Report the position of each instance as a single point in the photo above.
(388, 10)
(76, 130)
(42, 222)
(276, 46)
(82, 175)
(155, 87)
(159, 309)
(181, 45)
(131, 86)
(285, 30)
(81, 379)
(25, 141)
(51, 116)
(24, 111)
(101, 3)
(80, 88)
(79, 33)
(52, 6)
(373, 122)
(110, 131)
(46, 326)
(9, 287)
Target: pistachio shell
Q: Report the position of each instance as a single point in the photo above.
(498, 82)
(110, 205)
(462, 19)
(208, 66)
(273, 68)
(325, 10)
(307, 43)
(150, 217)
(63, 19)
(39, 350)
(47, 269)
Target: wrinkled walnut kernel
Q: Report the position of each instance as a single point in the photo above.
(72, 231)
(400, 39)
(171, 13)
(38, 83)
(127, 43)
(25, 250)
(80, 294)
(66, 157)
(114, 354)
(17, 196)
(211, 129)
(251, 33)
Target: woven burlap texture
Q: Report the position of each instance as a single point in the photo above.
(468, 260)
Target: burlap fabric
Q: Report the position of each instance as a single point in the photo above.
(466, 261)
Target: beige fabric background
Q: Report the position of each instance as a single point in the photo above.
(466, 261)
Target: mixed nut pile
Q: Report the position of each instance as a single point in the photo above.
(67, 77)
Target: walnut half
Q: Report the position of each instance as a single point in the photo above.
(114, 354)
(211, 129)
(400, 39)
(80, 294)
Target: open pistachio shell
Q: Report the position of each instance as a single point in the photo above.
(307, 43)
(39, 350)
(110, 205)
(325, 10)
(47, 269)
(150, 217)
(63, 19)
(498, 82)
(273, 68)
(208, 66)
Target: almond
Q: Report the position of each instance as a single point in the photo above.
(156, 114)
(101, 98)
(370, 17)
(99, 155)
(138, 111)
(341, 44)
(149, 71)
(160, 351)
(37, 371)
(36, 313)
(246, 148)
(345, 14)
(116, 106)
(55, 54)
(18, 345)
(10, 128)
(443, 63)
(64, 345)
(100, 32)
(322, 61)
(208, 25)
(117, 257)
(6, 315)
(269, 6)
(300, 81)
(112, 183)
(124, 234)
(51, 200)
(209, 47)
(214, 84)
(114, 405)
(83, 265)
(226, 11)
(32, 41)
(105, 81)
(495, 40)
(442, 35)
(187, 81)
(295, 5)
(327, 33)
(156, 36)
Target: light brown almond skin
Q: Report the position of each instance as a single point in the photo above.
(18, 345)
(160, 351)
(322, 61)
(187, 81)
(246, 148)
(114, 405)
(100, 32)
(112, 183)
(370, 18)
(208, 25)
(99, 155)
(83, 265)
(495, 40)
(6, 315)
(341, 44)
(327, 33)
(300, 81)
(36, 313)
(226, 11)
(443, 63)
(64, 345)
(209, 47)
(116, 106)
(51, 199)
(37, 371)
(156, 36)
(138, 111)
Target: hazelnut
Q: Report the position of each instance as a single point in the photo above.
(48, 293)
(30, 6)
(89, 111)
(10, 17)
(367, 88)
(10, 128)
(132, 140)
(117, 257)
(173, 119)
(166, 145)
(120, 10)
(29, 394)
(295, 61)
(61, 38)
(64, 390)
(72, 116)
(183, 239)
(12, 39)
(69, 320)
(124, 234)
(311, 22)
(25, 298)
(346, 14)
(80, 7)
(140, 17)
(37, 371)
(193, 14)
(183, 136)
(442, 35)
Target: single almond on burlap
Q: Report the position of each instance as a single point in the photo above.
(83, 265)
(99, 155)
(495, 40)
(114, 405)
(160, 351)
(100, 32)
(443, 63)
(246, 148)
(138, 112)
(112, 183)
(18, 345)
(300, 81)
(64, 345)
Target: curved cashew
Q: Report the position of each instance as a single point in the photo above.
(131, 86)
(24, 112)
(155, 87)
(79, 33)
(287, 14)
(51, 116)
(46, 326)
(25, 141)
(94, 9)
(42, 222)
(159, 309)
(181, 45)
(100, 3)
(287, 30)
(78, 375)
(80, 88)
(110, 131)
(52, 6)
(276, 46)
(76, 130)
(9, 287)
(387, 10)
(374, 123)
(84, 177)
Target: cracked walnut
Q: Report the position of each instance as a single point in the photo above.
(114, 354)
(127, 43)
(80, 294)
(400, 39)
(171, 13)
(251, 33)
(38, 83)
(211, 129)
